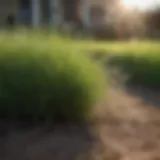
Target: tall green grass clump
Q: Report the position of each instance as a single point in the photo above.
(45, 78)
(143, 69)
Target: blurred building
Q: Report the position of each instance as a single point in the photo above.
(102, 17)
(54, 12)
(44, 12)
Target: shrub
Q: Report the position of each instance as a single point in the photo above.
(144, 69)
(48, 79)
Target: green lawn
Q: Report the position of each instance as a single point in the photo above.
(139, 59)
(136, 47)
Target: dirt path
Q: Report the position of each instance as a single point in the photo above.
(126, 128)
(132, 127)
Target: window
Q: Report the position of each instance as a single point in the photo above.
(25, 3)
(25, 11)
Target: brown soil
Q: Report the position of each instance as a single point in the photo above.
(132, 127)
(127, 127)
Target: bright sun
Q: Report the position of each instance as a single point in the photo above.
(141, 4)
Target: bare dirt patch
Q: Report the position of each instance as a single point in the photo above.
(126, 128)
(132, 127)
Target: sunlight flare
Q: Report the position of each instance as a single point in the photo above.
(141, 4)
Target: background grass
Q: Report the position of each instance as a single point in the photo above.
(118, 47)
(140, 60)
(142, 70)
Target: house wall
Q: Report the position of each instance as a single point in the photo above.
(56, 12)
(45, 12)
(41, 13)
(7, 7)
(85, 13)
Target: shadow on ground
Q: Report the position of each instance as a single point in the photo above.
(148, 96)
(69, 142)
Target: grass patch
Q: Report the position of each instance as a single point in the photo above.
(140, 60)
(45, 76)
(143, 70)
(117, 47)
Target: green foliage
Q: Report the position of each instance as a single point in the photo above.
(46, 78)
(139, 59)
(143, 69)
